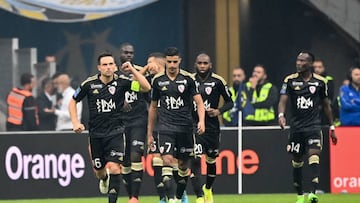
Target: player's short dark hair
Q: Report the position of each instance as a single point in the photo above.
(311, 55)
(125, 44)
(157, 55)
(104, 54)
(26, 78)
(172, 51)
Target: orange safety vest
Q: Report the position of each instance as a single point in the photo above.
(15, 102)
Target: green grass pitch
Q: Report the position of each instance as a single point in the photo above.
(254, 198)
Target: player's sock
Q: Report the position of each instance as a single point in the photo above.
(194, 176)
(314, 161)
(167, 175)
(157, 165)
(137, 175)
(181, 183)
(211, 172)
(297, 176)
(176, 173)
(114, 187)
(126, 175)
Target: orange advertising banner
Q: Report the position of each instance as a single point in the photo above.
(345, 161)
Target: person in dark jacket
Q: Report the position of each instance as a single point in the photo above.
(47, 117)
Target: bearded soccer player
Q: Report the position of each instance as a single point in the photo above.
(306, 91)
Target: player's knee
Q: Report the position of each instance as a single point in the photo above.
(157, 161)
(210, 160)
(114, 168)
(167, 160)
(297, 164)
(314, 159)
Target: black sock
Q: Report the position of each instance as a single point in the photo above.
(297, 177)
(167, 176)
(181, 183)
(211, 174)
(137, 175)
(159, 185)
(114, 187)
(195, 177)
(127, 180)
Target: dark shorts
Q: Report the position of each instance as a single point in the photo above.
(155, 148)
(207, 143)
(178, 144)
(135, 141)
(107, 149)
(300, 142)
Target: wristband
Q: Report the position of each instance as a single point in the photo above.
(332, 127)
(281, 115)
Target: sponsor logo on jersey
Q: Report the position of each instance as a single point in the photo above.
(181, 81)
(295, 83)
(163, 83)
(303, 103)
(314, 83)
(96, 86)
(212, 84)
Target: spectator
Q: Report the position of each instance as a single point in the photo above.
(22, 110)
(263, 96)
(238, 77)
(319, 69)
(62, 84)
(47, 117)
(350, 100)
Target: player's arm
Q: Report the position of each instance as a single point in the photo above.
(328, 112)
(281, 109)
(78, 127)
(144, 84)
(228, 103)
(152, 116)
(201, 113)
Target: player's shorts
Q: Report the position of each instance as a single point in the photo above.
(155, 148)
(107, 149)
(178, 144)
(300, 142)
(207, 143)
(135, 142)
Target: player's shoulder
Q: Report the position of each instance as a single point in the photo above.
(218, 78)
(291, 77)
(158, 76)
(187, 74)
(90, 79)
(319, 77)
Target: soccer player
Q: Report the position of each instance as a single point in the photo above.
(211, 87)
(306, 92)
(106, 94)
(175, 89)
(135, 117)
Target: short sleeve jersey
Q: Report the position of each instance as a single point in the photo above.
(175, 97)
(305, 100)
(211, 89)
(105, 102)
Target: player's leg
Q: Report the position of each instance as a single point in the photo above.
(126, 166)
(211, 144)
(138, 135)
(314, 149)
(185, 147)
(157, 164)
(296, 146)
(167, 148)
(195, 166)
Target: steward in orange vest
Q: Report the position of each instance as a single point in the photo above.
(22, 110)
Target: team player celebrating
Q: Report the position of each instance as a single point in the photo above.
(106, 94)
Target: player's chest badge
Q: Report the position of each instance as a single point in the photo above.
(112, 90)
(181, 88)
(208, 90)
(312, 89)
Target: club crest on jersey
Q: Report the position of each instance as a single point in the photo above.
(181, 88)
(312, 89)
(112, 90)
(208, 90)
